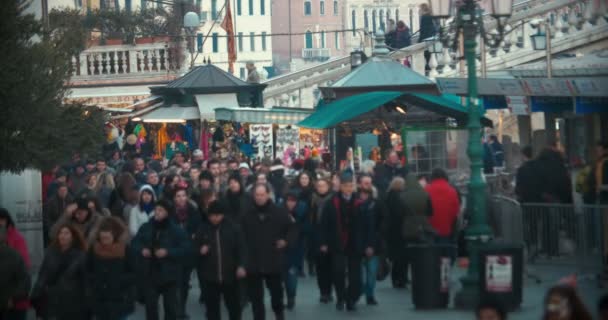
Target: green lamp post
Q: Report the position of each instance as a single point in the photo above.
(468, 21)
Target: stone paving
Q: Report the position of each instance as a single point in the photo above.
(397, 304)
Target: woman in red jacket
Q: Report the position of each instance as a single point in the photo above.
(16, 241)
(446, 206)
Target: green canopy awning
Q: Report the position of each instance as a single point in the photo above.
(348, 108)
(363, 111)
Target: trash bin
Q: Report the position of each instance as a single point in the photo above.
(431, 269)
(501, 272)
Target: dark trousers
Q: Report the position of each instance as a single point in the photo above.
(347, 277)
(169, 293)
(184, 288)
(324, 273)
(230, 292)
(399, 273)
(255, 289)
(13, 315)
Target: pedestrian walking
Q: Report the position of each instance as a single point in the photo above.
(445, 207)
(297, 209)
(268, 231)
(323, 261)
(346, 233)
(417, 209)
(373, 212)
(164, 246)
(490, 310)
(395, 240)
(14, 280)
(221, 246)
(81, 217)
(143, 211)
(562, 302)
(188, 218)
(59, 292)
(54, 208)
(110, 272)
(427, 30)
(304, 187)
(236, 201)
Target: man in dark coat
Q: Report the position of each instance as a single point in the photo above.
(400, 37)
(527, 185)
(386, 172)
(54, 208)
(268, 230)
(221, 246)
(14, 279)
(347, 234)
(164, 247)
(189, 220)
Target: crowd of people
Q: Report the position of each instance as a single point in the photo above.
(122, 231)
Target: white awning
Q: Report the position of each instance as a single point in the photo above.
(114, 91)
(138, 112)
(174, 113)
(275, 115)
(207, 103)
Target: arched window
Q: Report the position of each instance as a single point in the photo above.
(374, 22)
(388, 16)
(214, 9)
(381, 20)
(396, 15)
(365, 21)
(308, 39)
(323, 39)
(353, 23)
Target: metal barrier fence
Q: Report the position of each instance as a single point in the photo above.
(554, 234)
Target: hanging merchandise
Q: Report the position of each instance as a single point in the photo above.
(288, 142)
(262, 141)
(189, 136)
(162, 140)
(311, 138)
(204, 146)
(176, 145)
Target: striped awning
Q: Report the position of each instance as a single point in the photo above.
(275, 115)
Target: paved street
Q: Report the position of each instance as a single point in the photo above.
(397, 304)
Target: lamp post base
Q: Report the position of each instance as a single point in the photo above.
(468, 297)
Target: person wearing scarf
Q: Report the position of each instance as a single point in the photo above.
(323, 262)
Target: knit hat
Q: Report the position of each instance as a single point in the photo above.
(216, 207)
(131, 139)
(346, 176)
(235, 176)
(244, 165)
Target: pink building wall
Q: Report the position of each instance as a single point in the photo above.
(301, 23)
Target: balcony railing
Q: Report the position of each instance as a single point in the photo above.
(316, 53)
(122, 61)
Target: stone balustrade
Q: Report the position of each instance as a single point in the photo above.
(123, 61)
(577, 21)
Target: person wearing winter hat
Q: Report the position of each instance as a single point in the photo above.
(163, 246)
(222, 246)
(197, 155)
(236, 201)
(245, 173)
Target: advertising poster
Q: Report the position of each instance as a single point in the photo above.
(288, 143)
(499, 273)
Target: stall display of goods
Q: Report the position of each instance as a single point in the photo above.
(311, 138)
(261, 139)
(288, 143)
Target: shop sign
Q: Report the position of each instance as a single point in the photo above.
(589, 87)
(455, 86)
(445, 267)
(551, 104)
(518, 105)
(591, 105)
(499, 273)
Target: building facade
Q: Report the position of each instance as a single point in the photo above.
(316, 28)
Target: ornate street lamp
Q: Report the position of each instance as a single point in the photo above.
(191, 23)
(357, 58)
(542, 41)
(469, 22)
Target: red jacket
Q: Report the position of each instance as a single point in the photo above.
(16, 241)
(446, 206)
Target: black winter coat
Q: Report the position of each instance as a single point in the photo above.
(162, 235)
(346, 231)
(14, 279)
(190, 226)
(110, 285)
(59, 291)
(427, 28)
(226, 251)
(236, 205)
(263, 227)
